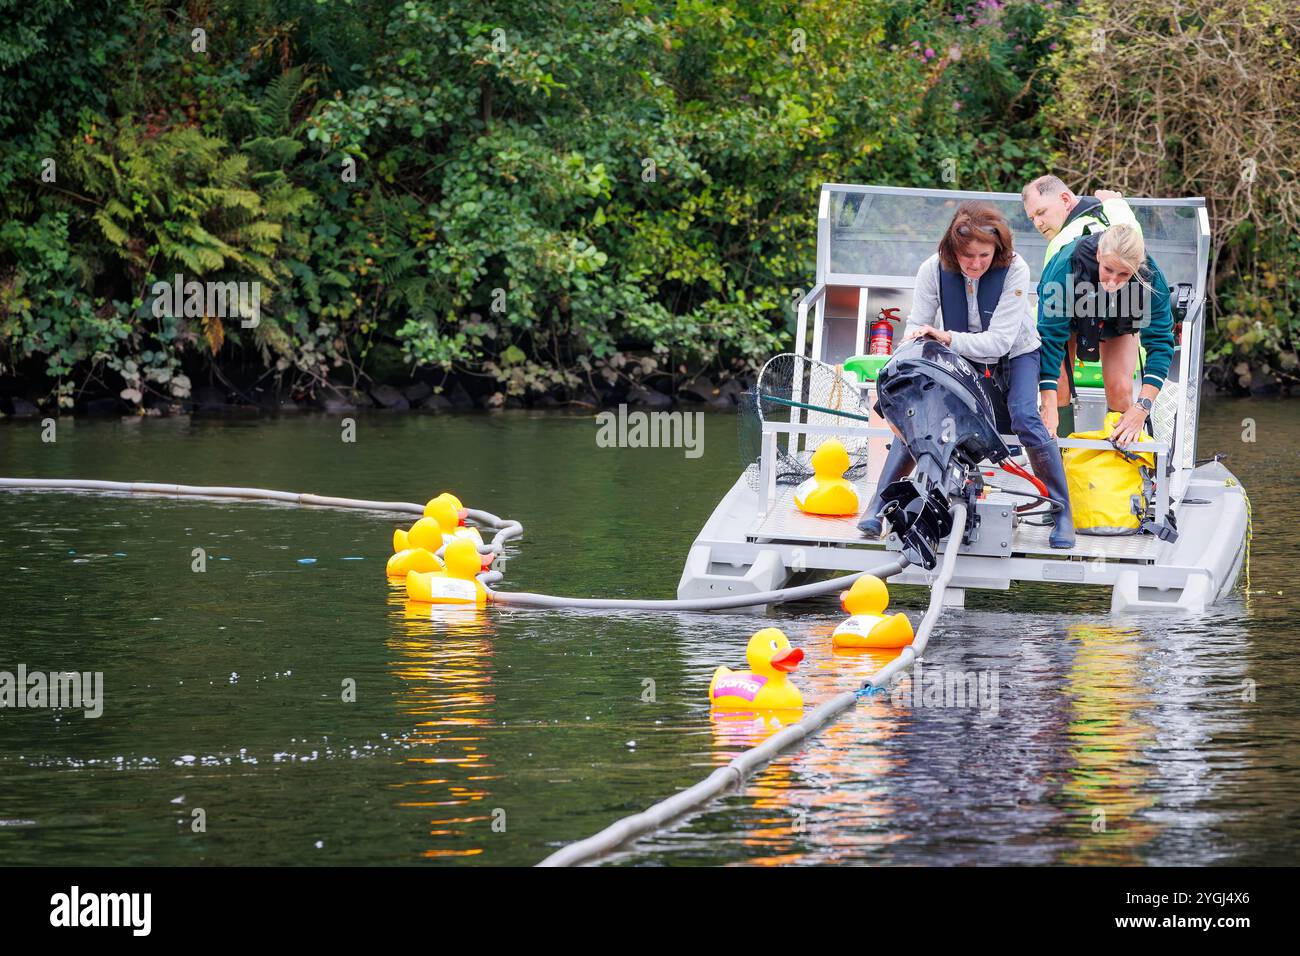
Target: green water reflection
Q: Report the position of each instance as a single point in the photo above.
(493, 736)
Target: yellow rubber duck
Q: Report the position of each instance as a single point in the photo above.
(765, 686)
(449, 497)
(412, 559)
(458, 584)
(866, 601)
(450, 519)
(425, 533)
(827, 492)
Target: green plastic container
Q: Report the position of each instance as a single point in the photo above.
(866, 367)
(1088, 374)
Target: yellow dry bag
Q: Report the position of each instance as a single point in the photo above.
(1110, 491)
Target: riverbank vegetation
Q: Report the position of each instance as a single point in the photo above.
(481, 202)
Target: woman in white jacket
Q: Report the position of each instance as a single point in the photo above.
(973, 296)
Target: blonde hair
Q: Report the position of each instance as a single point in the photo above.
(1124, 242)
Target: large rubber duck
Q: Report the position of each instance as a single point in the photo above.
(457, 584)
(827, 492)
(766, 685)
(450, 519)
(412, 559)
(455, 503)
(425, 533)
(866, 601)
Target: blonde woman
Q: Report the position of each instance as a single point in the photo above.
(1099, 295)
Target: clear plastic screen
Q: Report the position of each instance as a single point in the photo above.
(875, 232)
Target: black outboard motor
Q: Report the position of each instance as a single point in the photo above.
(933, 398)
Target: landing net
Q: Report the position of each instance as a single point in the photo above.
(794, 390)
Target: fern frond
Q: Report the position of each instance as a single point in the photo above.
(114, 233)
(231, 170)
(272, 338)
(277, 102)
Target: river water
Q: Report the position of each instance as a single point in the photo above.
(494, 737)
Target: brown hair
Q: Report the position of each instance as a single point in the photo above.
(975, 222)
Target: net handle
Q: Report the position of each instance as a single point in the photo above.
(763, 396)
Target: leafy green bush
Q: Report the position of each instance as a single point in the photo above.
(1198, 99)
(553, 195)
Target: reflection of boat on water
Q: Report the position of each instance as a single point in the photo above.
(797, 811)
(1092, 717)
(442, 659)
(1142, 705)
(1103, 789)
(870, 242)
(793, 804)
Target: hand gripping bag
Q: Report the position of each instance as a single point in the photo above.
(1110, 490)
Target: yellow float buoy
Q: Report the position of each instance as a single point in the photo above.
(766, 685)
(827, 492)
(867, 626)
(425, 533)
(451, 520)
(457, 584)
(451, 499)
(412, 559)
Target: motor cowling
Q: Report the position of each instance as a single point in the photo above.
(933, 399)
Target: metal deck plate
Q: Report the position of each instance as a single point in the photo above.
(785, 522)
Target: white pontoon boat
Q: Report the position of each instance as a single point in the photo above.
(870, 242)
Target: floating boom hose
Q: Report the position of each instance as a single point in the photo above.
(506, 529)
(734, 773)
(722, 779)
(201, 491)
(779, 596)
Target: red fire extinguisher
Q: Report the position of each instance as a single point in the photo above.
(882, 333)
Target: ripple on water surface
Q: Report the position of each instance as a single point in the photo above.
(300, 708)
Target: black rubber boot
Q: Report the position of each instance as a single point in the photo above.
(898, 464)
(1050, 470)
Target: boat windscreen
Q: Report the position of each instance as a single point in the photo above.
(891, 234)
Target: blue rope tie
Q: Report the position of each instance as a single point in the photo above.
(868, 691)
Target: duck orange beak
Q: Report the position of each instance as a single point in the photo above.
(486, 560)
(788, 661)
(844, 596)
(462, 514)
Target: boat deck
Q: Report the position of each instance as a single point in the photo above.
(785, 522)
